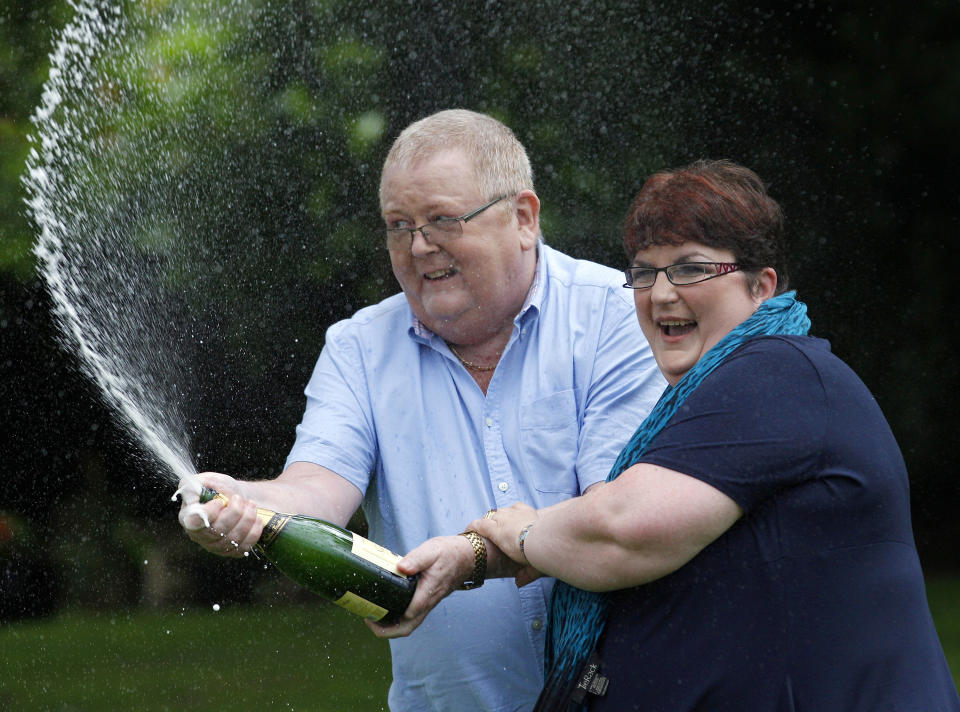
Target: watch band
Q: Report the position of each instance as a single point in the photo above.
(479, 561)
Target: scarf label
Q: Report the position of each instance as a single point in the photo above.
(591, 682)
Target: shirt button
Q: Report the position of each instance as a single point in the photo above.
(503, 486)
(489, 422)
(537, 624)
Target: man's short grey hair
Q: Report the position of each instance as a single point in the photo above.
(500, 162)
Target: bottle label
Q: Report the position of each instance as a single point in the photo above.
(361, 606)
(375, 554)
(273, 523)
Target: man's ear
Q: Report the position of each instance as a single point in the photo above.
(528, 218)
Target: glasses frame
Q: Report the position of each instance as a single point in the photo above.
(722, 269)
(466, 217)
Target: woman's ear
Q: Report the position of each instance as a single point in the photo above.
(764, 284)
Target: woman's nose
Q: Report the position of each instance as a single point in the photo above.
(663, 290)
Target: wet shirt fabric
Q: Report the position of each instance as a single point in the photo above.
(814, 599)
(393, 411)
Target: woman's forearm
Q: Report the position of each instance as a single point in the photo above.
(640, 527)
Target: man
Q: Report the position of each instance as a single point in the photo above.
(505, 372)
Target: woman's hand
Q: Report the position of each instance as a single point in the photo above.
(503, 527)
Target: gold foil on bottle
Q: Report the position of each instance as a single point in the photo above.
(272, 527)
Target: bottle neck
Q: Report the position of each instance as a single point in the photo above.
(208, 495)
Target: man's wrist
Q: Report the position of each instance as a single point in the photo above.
(479, 572)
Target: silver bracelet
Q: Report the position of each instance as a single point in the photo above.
(523, 537)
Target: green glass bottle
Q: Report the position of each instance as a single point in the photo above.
(341, 566)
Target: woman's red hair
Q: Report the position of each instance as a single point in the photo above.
(716, 203)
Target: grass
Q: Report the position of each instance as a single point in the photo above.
(943, 593)
(293, 657)
(315, 657)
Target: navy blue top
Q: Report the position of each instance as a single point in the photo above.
(814, 600)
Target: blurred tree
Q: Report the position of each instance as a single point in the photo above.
(26, 31)
(232, 151)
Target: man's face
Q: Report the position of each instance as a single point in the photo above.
(475, 284)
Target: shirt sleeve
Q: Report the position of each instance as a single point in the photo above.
(624, 386)
(753, 427)
(337, 430)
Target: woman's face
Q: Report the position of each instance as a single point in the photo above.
(682, 323)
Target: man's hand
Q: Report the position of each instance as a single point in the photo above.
(233, 528)
(443, 563)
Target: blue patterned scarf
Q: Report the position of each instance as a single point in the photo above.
(577, 617)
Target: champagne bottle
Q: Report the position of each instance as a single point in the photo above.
(341, 566)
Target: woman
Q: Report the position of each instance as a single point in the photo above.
(752, 548)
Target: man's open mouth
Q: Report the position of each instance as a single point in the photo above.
(440, 273)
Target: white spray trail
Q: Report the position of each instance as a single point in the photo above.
(92, 322)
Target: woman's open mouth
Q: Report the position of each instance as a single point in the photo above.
(676, 328)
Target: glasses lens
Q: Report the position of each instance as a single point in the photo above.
(690, 273)
(436, 231)
(397, 238)
(639, 277)
(442, 229)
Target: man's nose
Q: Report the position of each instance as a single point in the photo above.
(419, 244)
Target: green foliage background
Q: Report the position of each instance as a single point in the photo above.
(245, 139)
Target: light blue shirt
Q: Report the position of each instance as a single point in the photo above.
(392, 410)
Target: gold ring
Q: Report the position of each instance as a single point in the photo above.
(489, 514)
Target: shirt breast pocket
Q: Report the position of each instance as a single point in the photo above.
(549, 432)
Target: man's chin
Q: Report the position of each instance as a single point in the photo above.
(443, 307)
(437, 318)
(443, 323)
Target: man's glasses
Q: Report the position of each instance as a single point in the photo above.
(437, 232)
(679, 274)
